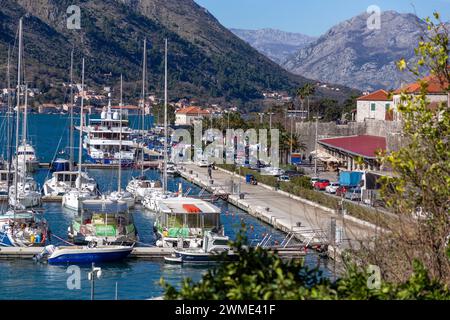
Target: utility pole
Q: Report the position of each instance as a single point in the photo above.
(261, 118)
(315, 158)
(270, 120)
(95, 273)
(292, 129)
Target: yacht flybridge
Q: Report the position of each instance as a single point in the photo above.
(108, 139)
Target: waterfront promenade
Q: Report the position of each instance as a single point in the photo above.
(307, 220)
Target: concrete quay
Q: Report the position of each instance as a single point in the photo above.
(307, 221)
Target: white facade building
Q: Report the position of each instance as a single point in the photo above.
(187, 116)
(376, 106)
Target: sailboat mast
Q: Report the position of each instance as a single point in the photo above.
(80, 146)
(71, 114)
(119, 183)
(24, 133)
(144, 82)
(9, 134)
(19, 80)
(165, 119)
(10, 128)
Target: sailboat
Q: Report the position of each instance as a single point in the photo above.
(73, 199)
(121, 195)
(24, 194)
(65, 179)
(141, 187)
(152, 199)
(19, 228)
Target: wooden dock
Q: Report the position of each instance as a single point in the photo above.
(149, 253)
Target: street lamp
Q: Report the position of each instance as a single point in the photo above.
(95, 273)
(261, 116)
(270, 119)
(315, 158)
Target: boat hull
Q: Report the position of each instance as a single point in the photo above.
(88, 256)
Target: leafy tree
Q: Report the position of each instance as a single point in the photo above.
(261, 275)
(420, 192)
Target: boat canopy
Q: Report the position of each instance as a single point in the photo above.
(105, 206)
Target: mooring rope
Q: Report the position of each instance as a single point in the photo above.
(61, 239)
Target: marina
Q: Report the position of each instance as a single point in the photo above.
(146, 261)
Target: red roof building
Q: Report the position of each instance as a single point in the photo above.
(345, 150)
(380, 95)
(187, 116)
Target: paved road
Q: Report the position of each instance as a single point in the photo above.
(279, 209)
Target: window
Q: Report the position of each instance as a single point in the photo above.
(388, 106)
(372, 107)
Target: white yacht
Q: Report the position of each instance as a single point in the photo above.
(103, 136)
(74, 198)
(28, 195)
(62, 182)
(27, 157)
(6, 179)
(141, 187)
(121, 195)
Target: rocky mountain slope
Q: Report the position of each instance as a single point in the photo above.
(352, 55)
(274, 44)
(206, 61)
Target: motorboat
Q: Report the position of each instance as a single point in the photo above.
(74, 198)
(22, 228)
(26, 156)
(62, 182)
(105, 222)
(27, 195)
(182, 222)
(84, 254)
(123, 196)
(141, 187)
(215, 248)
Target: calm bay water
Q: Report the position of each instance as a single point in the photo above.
(135, 279)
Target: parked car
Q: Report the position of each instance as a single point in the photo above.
(314, 180)
(353, 194)
(203, 163)
(321, 184)
(332, 187)
(271, 171)
(341, 190)
(293, 173)
(284, 178)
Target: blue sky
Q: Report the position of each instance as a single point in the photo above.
(312, 17)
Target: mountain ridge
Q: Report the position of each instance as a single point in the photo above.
(352, 55)
(206, 61)
(273, 43)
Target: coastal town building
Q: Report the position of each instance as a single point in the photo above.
(187, 116)
(351, 153)
(376, 105)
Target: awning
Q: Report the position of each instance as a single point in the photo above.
(324, 156)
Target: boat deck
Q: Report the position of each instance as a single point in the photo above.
(137, 253)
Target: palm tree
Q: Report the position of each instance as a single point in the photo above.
(304, 93)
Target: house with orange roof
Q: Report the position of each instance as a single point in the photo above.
(437, 92)
(187, 116)
(376, 106)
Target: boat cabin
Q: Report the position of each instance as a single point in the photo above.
(186, 217)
